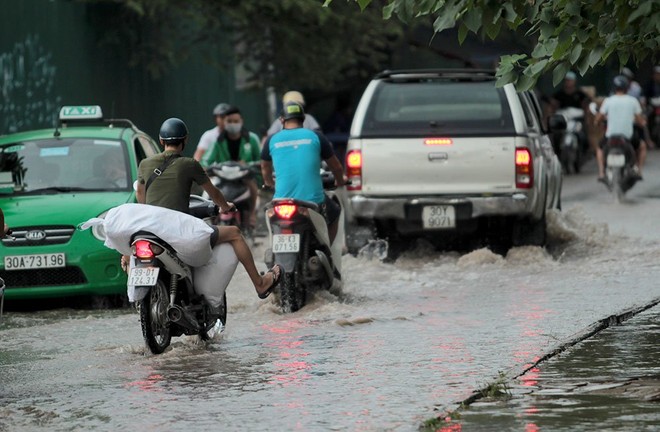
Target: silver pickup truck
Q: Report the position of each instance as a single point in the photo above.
(444, 154)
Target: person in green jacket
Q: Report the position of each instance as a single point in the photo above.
(235, 143)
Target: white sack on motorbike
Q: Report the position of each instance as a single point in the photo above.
(188, 235)
(212, 278)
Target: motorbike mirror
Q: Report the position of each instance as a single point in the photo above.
(557, 123)
(593, 108)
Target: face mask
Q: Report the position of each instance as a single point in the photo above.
(233, 128)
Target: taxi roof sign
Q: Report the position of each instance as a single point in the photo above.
(81, 112)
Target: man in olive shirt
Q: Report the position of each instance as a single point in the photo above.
(170, 188)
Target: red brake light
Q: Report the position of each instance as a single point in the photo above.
(286, 211)
(143, 249)
(524, 168)
(438, 141)
(354, 169)
(354, 159)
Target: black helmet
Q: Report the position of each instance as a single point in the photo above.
(293, 110)
(220, 109)
(620, 82)
(172, 130)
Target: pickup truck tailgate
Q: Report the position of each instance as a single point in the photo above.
(419, 166)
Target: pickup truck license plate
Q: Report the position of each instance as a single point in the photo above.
(284, 243)
(616, 160)
(439, 217)
(143, 276)
(40, 261)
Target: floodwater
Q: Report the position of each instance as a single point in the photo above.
(610, 382)
(405, 342)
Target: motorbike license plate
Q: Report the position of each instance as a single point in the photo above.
(439, 217)
(284, 243)
(40, 261)
(616, 160)
(143, 276)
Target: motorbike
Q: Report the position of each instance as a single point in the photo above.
(300, 243)
(168, 302)
(619, 166)
(571, 151)
(230, 178)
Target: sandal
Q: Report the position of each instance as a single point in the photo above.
(276, 281)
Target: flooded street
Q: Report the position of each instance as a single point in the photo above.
(406, 341)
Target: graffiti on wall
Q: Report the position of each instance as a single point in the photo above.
(27, 87)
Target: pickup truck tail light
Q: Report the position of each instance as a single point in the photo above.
(354, 170)
(524, 168)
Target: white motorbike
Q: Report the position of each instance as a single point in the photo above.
(301, 245)
(167, 291)
(619, 162)
(571, 154)
(230, 178)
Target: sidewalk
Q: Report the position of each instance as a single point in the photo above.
(608, 381)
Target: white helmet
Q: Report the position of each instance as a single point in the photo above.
(293, 96)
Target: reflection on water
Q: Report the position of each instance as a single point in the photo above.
(608, 382)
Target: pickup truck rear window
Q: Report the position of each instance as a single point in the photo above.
(433, 107)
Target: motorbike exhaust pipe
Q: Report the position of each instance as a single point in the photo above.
(180, 316)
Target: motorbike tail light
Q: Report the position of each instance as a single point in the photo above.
(438, 141)
(285, 211)
(146, 250)
(524, 168)
(354, 170)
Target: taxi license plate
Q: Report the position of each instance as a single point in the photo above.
(439, 217)
(285, 243)
(143, 276)
(40, 261)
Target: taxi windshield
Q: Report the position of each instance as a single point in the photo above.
(63, 165)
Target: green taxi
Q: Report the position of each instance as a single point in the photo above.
(52, 180)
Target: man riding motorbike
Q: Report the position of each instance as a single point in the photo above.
(296, 153)
(235, 143)
(165, 180)
(621, 111)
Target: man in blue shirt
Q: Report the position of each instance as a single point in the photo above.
(295, 153)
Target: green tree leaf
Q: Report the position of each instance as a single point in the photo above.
(472, 19)
(462, 33)
(559, 73)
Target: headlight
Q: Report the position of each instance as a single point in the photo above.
(98, 231)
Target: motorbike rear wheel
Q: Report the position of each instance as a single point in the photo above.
(153, 317)
(292, 293)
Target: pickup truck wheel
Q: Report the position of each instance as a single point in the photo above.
(528, 232)
(358, 235)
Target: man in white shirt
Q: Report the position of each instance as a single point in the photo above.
(211, 136)
(621, 111)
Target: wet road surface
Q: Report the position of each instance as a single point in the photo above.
(404, 343)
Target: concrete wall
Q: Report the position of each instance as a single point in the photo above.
(50, 56)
